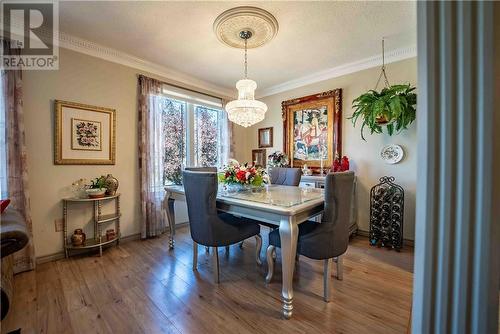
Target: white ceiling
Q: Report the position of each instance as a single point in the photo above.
(312, 36)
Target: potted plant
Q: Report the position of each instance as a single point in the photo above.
(394, 108)
(278, 159)
(97, 187)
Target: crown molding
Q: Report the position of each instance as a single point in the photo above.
(337, 71)
(80, 45)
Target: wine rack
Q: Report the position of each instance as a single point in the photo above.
(386, 214)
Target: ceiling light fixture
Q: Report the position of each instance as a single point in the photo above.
(246, 110)
(245, 27)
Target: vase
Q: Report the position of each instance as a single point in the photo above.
(239, 187)
(110, 234)
(78, 237)
(111, 185)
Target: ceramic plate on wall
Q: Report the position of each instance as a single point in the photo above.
(392, 154)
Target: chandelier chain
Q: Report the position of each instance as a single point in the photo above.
(246, 59)
(382, 73)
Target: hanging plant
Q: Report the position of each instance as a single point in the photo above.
(393, 108)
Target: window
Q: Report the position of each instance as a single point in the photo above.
(194, 131)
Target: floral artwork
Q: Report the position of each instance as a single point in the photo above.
(310, 134)
(86, 135)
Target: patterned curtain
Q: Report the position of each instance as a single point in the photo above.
(227, 144)
(150, 158)
(17, 172)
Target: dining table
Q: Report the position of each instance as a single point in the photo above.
(282, 206)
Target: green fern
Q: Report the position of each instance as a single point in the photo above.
(396, 105)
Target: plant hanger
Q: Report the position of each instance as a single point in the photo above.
(382, 72)
(391, 109)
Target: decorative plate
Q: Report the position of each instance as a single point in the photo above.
(392, 154)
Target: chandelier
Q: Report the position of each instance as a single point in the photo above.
(246, 110)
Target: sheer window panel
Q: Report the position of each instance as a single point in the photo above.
(3, 143)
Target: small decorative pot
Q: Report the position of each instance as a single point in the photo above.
(111, 185)
(96, 192)
(110, 234)
(78, 237)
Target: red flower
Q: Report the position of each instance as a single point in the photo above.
(241, 175)
(344, 164)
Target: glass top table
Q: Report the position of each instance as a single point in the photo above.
(282, 196)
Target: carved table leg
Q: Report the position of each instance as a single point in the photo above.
(171, 220)
(288, 235)
(65, 227)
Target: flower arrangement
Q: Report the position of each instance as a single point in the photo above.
(244, 174)
(278, 159)
(340, 165)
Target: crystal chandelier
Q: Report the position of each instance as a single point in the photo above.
(246, 110)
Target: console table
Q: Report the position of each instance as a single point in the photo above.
(98, 241)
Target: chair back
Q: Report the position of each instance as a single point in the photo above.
(201, 194)
(285, 176)
(202, 169)
(337, 212)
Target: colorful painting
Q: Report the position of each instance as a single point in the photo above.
(312, 129)
(86, 135)
(310, 134)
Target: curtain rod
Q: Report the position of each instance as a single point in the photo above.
(188, 89)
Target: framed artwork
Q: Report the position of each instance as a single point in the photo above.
(259, 157)
(312, 129)
(266, 137)
(84, 134)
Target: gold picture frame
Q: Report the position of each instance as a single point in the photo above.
(312, 127)
(97, 148)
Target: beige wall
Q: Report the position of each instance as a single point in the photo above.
(87, 80)
(364, 156)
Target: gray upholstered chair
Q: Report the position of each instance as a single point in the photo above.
(202, 169)
(285, 176)
(329, 239)
(209, 227)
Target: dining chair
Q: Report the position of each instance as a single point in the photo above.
(285, 176)
(205, 169)
(329, 239)
(209, 227)
(202, 169)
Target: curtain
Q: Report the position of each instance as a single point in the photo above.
(17, 169)
(151, 158)
(227, 143)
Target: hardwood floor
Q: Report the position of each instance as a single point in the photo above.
(142, 287)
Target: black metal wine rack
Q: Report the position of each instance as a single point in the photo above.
(386, 214)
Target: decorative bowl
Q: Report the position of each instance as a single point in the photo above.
(96, 192)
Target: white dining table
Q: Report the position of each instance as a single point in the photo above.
(283, 206)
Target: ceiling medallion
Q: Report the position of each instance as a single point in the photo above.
(245, 27)
(262, 24)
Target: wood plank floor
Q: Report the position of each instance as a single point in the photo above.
(142, 287)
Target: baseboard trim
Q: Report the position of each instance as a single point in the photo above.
(60, 255)
(407, 242)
